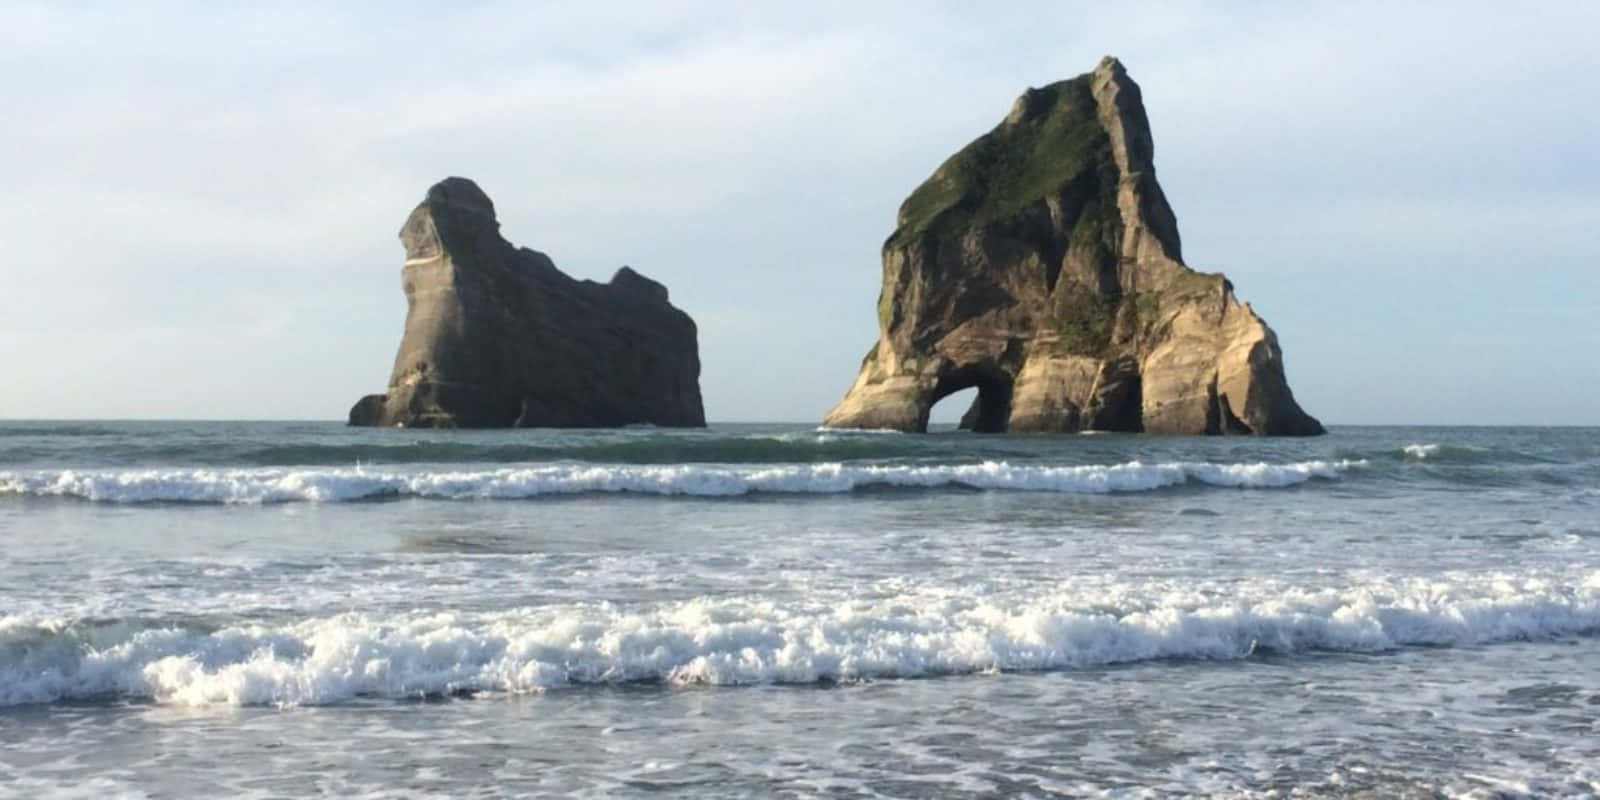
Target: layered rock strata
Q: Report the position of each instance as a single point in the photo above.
(496, 336)
(1041, 264)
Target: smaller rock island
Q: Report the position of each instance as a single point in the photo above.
(497, 337)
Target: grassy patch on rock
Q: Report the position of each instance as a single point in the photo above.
(1052, 137)
(1082, 322)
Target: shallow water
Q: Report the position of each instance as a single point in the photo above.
(267, 609)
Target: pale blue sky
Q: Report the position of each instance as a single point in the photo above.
(201, 202)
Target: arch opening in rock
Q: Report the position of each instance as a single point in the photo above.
(949, 410)
(991, 408)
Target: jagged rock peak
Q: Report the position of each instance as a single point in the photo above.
(1042, 264)
(497, 336)
(462, 194)
(627, 279)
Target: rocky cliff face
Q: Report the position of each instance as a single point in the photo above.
(1041, 264)
(496, 336)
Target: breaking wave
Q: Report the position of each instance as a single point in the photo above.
(720, 641)
(279, 485)
(1420, 451)
(1436, 454)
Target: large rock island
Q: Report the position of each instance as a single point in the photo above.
(1041, 265)
(496, 336)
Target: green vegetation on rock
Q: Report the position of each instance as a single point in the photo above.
(1053, 138)
(1082, 321)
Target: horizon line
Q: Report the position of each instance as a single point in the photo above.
(713, 423)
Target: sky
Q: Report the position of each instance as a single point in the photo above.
(201, 200)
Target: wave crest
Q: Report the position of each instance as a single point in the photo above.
(269, 485)
(721, 641)
(1419, 452)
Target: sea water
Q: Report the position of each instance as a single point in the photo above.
(283, 609)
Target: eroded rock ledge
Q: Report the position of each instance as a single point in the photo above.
(496, 336)
(1041, 264)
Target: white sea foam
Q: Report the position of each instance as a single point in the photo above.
(1420, 451)
(817, 436)
(743, 641)
(1583, 782)
(863, 431)
(276, 485)
(96, 788)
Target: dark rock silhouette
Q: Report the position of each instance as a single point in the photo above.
(496, 336)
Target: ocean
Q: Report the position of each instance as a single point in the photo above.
(282, 609)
